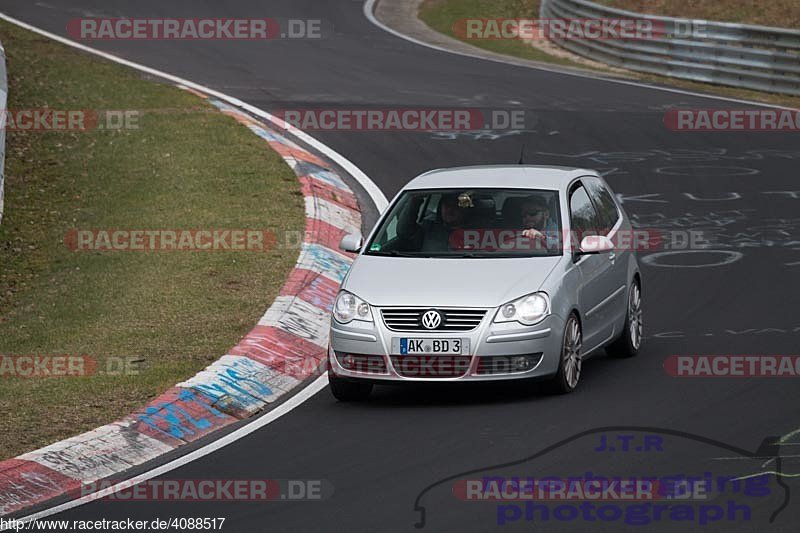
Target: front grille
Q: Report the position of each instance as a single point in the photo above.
(431, 366)
(410, 319)
(370, 364)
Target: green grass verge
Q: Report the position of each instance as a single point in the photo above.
(187, 166)
(779, 13)
(441, 15)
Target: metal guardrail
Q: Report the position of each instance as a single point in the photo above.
(737, 55)
(3, 102)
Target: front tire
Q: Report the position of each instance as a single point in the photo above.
(628, 344)
(569, 365)
(348, 391)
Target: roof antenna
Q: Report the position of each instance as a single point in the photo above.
(522, 156)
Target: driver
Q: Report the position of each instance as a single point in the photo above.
(431, 235)
(436, 234)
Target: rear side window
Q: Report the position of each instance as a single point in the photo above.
(585, 220)
(604, 202)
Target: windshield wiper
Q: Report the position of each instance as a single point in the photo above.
(396, 253)
(493, 255)
(467, 255)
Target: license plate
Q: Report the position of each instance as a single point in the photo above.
(410, 346)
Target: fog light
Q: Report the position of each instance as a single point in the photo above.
(348, 361)
(521, 363)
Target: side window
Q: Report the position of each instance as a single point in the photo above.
(584, 217)
(391, 230)
(604, 202)
(400, 223)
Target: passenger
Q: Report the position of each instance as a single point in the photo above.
(537, 223)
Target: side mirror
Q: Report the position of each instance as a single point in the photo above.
(595, 244)
(351, 242)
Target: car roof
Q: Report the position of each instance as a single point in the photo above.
(500, 176)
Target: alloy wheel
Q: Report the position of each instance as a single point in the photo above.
(635, 316)
(572, 352)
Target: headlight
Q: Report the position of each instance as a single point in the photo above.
(528, 310)
(349, 307)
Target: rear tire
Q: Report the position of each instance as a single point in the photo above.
(570, 359)
(628, 344)
(348, 391)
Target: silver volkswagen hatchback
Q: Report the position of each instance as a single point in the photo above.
(488, 273)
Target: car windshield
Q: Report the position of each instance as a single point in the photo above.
(474, 222)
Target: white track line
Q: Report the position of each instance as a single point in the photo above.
(295, 401)
(378, 198)
(369, 12)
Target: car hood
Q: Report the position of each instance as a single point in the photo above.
(401, 281)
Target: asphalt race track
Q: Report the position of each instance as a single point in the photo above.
(400, 453)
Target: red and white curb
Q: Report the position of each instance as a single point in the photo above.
(287, 346)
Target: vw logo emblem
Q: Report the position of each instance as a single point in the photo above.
(431, 319)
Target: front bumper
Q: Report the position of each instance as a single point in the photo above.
(489, 341)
